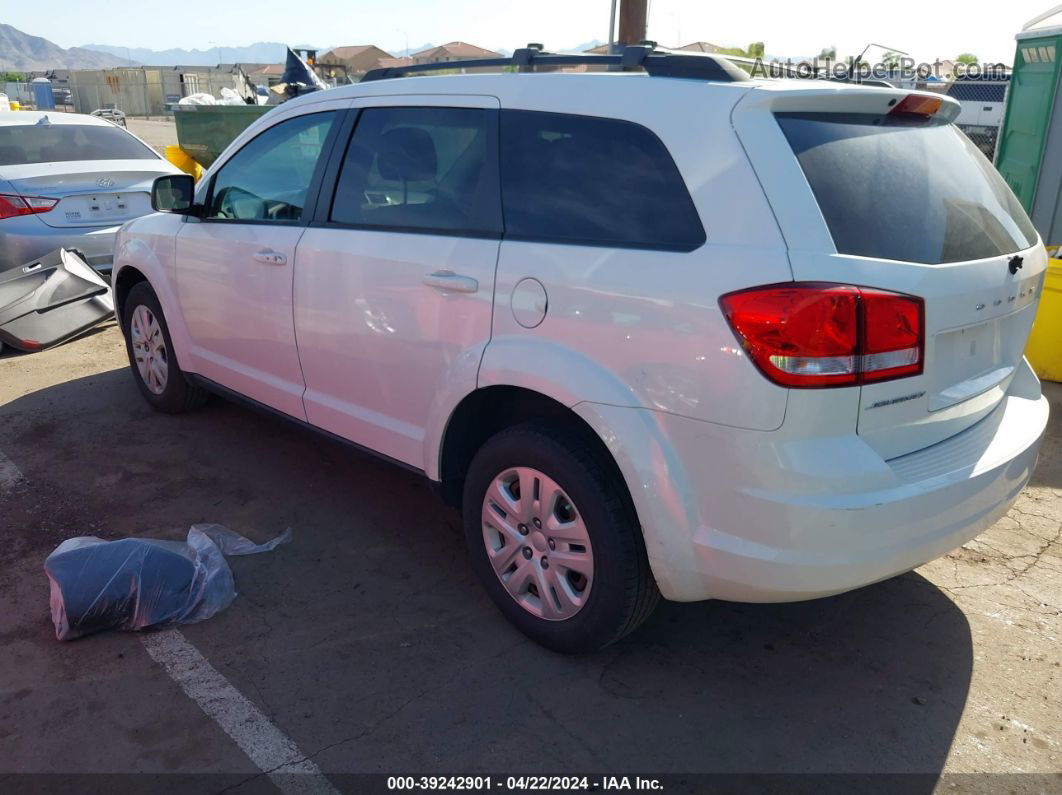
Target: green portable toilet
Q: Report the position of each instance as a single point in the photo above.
(1030, 149)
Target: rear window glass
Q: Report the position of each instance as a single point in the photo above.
(41, 143)
(909, 191)
(592, 181)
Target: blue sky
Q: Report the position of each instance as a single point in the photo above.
(789, 27)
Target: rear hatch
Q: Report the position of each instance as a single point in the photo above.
(906, 203)
(100, 174)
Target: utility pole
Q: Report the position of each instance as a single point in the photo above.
(612, 28)
(632, 19)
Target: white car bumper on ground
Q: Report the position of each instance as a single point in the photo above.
(765, 517)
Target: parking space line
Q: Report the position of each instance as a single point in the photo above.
(266, 745)
(9, 473)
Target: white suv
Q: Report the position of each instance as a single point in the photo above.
(667, 332)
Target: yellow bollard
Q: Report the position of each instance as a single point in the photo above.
(1044, 350)
(184, 161)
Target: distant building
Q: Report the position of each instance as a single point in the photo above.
(393, 63)
(453, 51)
(701, 46)
(58, 77)
(268, 74)
(357, 59)
(697, 46)
(946, 70)
(256, 73)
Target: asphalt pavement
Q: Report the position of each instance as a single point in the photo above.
(367, 646)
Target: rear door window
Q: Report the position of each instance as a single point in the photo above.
(56, 143)
(422, 169)
(592, 181)
(906, 190)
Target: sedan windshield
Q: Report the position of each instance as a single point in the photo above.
(41, 143)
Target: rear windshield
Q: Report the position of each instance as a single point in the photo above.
(906, 190)
(38, 143)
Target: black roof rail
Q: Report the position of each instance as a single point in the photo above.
(632, 57)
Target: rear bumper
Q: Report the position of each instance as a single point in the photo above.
(737, 515)
(25, 239)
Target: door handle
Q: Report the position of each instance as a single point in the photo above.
(452, 282)
(270, 257)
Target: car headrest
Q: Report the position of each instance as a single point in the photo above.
(407, 154)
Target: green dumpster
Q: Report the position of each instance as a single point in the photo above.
(203, 131)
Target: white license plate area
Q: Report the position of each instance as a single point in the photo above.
(971, 360)
(102, 208)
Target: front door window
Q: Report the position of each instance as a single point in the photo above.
(268, 179)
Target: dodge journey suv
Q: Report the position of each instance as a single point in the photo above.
(660, 330)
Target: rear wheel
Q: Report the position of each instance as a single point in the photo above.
(555, 541)
(154, 365)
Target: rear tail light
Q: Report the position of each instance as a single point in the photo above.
(823, 335)
(12, 205)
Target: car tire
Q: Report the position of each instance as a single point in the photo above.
(152, 359)
(586, 493)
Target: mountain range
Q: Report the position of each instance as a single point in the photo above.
(21, 52)
(260, 52)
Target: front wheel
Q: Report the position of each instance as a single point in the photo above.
(155, 369)
(555, 540)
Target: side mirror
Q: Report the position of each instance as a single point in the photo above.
(173, 193)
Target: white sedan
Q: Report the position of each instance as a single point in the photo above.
(69, 180)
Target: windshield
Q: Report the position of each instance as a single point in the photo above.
(39, 143)
(906, 190)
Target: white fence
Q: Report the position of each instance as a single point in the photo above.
(136, 92)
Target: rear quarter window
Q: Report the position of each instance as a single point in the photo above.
(905, 190)
(587, 180)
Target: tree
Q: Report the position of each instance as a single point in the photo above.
(829, 53)
(11, 77)
(891, 58)
(966, 58)
(755, 50)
